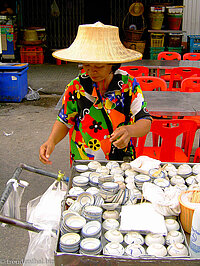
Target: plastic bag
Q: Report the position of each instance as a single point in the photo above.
(45, 212)
(164, 201)
(32, 94)
(11, 207)
(55, 12)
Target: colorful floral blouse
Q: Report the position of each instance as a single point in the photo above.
(92, 117)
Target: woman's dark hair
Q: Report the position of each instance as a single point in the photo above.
(115, 67)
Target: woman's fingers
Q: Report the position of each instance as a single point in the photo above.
(120, 137)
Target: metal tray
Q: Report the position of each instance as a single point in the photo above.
(79, 259)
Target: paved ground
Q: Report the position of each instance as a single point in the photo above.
(23, 128)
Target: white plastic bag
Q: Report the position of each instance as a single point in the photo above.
(11, 207)
(44, 212)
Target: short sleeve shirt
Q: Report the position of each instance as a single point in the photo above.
(92, 117)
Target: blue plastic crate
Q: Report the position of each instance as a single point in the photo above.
(194, 43)
(13, 85)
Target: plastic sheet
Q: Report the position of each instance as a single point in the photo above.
(45, 211)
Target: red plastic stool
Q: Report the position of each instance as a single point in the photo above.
(197, 155)
(58, 62)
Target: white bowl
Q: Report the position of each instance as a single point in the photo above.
(80, 180)
(113, 248)
(75, 191)
(154, 238)
(130, 172)
(90, 244)
(184, 170)
(135, 250)
(110, 206)
(93, 190)
(152, 171)
(87, 173)
(103, 170)
(134, 238)
(110, 224)
(157, 250)
(91, 228)
(172, 173)
(93, 165)
(174, 236)
(125, 166)
(94, 178)
(170, 167)
(76, 207)
(191, 180)
(81, 167)
(177, 179)
(116, 170)
(118, 177)
(161, 182)
(112, 164)
(85, 198)
(142, 178)
(110, 186)
(111, 214)
(70, 239)
(177, 250)
(75, 222)
(196, 169)
(113, 236)
(171, 224)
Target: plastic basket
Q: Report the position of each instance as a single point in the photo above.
(175, 49)
(175, 40)
(156, 20)
(32, 54)
(194, 43)
(154, 51)
(186, 214)
(157, 39)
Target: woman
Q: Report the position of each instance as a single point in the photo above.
(103, 108)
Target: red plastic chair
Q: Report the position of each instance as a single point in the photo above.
(191, 84)
(183, 73)
(150, 83)
(197, 156)
(191, 56)
(169, 131)
(167, 56)
(136, 71)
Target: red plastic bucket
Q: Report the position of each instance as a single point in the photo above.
(174, 21)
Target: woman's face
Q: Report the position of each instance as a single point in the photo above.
(98, 72)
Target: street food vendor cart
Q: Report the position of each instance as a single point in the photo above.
(109, 196)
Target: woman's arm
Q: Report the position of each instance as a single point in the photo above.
(59, 131)
(121, 136)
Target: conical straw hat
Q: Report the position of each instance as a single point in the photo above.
(97, 43)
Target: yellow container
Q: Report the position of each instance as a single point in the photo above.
(157, 39)
(156, 20)
(186, 214)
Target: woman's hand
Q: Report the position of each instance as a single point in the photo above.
(45, 151)
(120, 137)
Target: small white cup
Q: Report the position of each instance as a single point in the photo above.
(174, 237)
(172, 224)
(157, 250)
